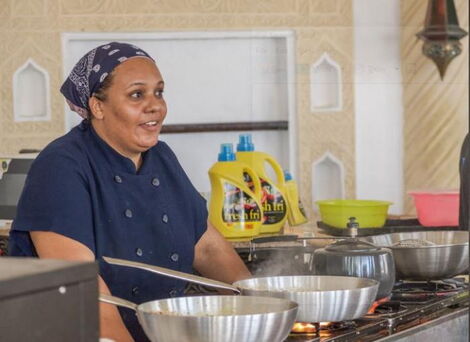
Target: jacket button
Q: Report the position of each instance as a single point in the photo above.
(139, 252)
(173, 293)
(165, 218)
(118, 179)
(135, 291)
(174, 257)
(128, 213)
(155, 182)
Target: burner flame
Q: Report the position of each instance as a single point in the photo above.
(308, 328)
(376, 304)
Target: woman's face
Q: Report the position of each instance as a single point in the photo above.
(131, 116)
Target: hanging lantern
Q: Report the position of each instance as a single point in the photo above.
(441, 33)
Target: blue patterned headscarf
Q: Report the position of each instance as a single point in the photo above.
(89, 73)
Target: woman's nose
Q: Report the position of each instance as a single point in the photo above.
(156, 105)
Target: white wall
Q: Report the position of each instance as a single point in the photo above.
(378, 102)
(213, 77)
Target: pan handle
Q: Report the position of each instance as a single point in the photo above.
(293, 237)
(173, 274)
(275, 238)
(117, 301)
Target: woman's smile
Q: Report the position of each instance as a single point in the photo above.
(151, 126)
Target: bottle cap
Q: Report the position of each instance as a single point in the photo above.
(287, 175)
(245, 144)
(226, 153)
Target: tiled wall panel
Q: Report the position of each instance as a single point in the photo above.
(32, 29)
(436, 112)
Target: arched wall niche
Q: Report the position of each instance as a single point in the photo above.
(327, 178)
(31, 97)
(325, 85)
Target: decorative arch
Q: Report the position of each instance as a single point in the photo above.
(326, 94)
(327, 178)
(31, 95)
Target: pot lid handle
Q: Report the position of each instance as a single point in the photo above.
(352, 227)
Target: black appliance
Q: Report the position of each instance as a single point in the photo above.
(13, 172)
(48, 300)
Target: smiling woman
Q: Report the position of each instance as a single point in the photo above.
(109, 187)
(129, 116)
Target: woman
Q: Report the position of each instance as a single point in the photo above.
(110, 188)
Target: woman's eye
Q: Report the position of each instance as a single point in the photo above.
(136, 94)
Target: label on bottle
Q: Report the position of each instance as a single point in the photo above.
(239, 207)
(272, 201)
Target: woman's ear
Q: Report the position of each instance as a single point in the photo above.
(96, 108)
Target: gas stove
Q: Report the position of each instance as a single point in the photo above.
(416, 311)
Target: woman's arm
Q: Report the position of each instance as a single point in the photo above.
(51, 245)
(215, 258)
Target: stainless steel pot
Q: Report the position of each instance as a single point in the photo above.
(320, 298)
(426, 255)
(357, 258)
(213, 318)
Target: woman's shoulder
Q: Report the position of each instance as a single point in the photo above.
(163, 151)
(68, 150)
(161, 146)
(163, 159)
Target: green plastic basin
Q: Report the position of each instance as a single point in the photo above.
(368, 213)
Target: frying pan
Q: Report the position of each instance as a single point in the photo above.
(320, 298)
(213, 318)
(426, 255)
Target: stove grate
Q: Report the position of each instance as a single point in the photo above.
(424, 292)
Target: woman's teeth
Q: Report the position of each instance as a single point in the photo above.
(150, 123)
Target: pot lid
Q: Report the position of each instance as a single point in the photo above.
(352, 245)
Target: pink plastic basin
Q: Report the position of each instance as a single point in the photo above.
(437, 208)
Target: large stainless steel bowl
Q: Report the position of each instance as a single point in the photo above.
(214, 318)
(426, 255)
(320, 298)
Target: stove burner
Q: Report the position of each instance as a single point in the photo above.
(391, 307)
(377, 303)
(422, 291)
(337, 326)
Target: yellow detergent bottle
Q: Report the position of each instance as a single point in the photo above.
(272, 198)
(295, 209)
(234, 209)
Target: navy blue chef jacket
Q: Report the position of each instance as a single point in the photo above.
(81, 188)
